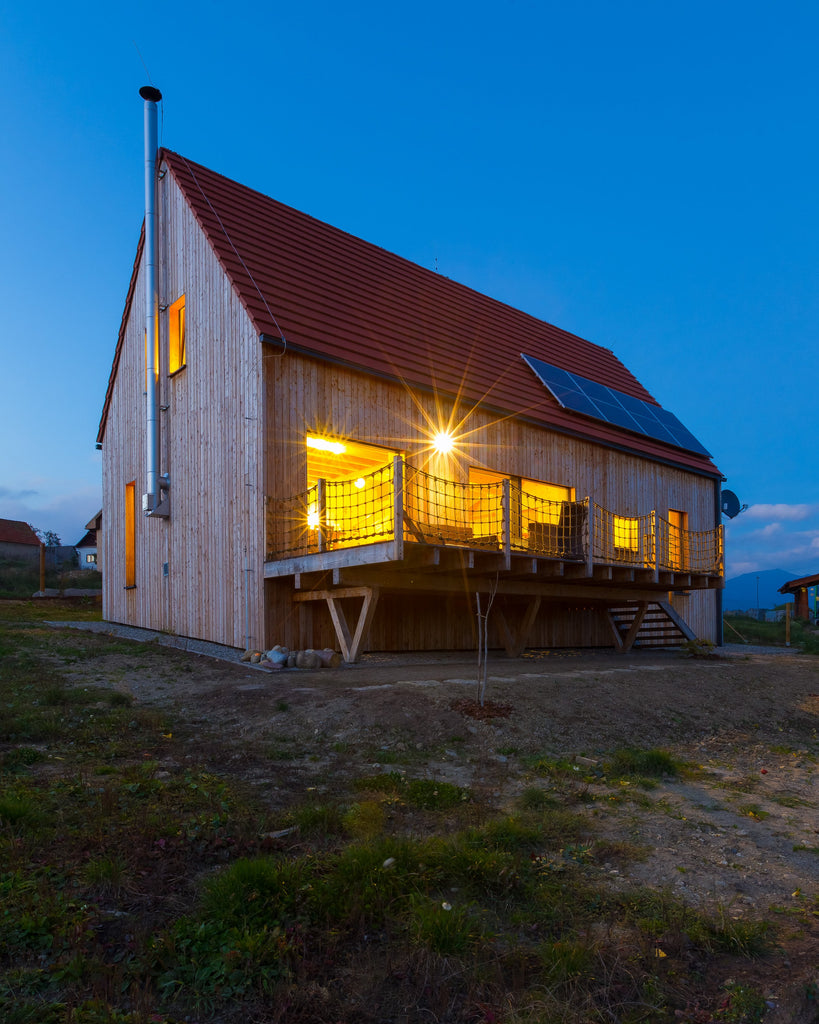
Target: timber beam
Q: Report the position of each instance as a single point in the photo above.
(437, 583)
(351, 643)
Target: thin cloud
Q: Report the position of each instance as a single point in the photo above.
(9, 495)
(781, 512)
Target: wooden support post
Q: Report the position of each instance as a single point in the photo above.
(622, 644)
(398, 507)
(655, 543)
(351, 645)
(514, 639)
(588, 536)
(321, 508)
(42, 567)
(506, 530)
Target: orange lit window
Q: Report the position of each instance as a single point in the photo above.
(130, 534)
(358, 500)
(625, 532)
(677, 539)
(176, 336)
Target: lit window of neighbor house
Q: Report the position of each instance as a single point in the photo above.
(91, 559)
(176, 336)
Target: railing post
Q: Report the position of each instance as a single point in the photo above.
(321, 507)
(506, 515)
(655, 540)
(398, 507)
(589, 536)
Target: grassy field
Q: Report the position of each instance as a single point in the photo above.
(136, 886)
(739, 628)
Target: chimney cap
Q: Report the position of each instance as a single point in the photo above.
(148, 92)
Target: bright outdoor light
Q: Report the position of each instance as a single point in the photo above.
(443, 442)
(312, 518)
(361, 482)
(323, 445)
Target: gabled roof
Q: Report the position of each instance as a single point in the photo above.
(336, 297)
(14, 531)
(88, 541)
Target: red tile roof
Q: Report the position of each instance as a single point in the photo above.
(337, 297)
(14, 531)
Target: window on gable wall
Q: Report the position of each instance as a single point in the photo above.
(176, 336)
(130, 534)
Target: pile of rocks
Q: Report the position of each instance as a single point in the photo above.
(280, 657)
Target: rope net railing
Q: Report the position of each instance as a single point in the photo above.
(439, 511)
(495, 516)
(622, 540)
(690, 551)
(544, 526)
(331, 514)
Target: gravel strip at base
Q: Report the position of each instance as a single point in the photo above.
(183, 643)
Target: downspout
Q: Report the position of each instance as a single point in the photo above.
(150, 499)
(719, 602)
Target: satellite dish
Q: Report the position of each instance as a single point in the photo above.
(730, 504)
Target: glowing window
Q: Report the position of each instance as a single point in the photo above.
(176, 336)
(130, 534)
(358, 499)
(625, 532)
(677, 539)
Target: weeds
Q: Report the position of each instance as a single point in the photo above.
(138, 885)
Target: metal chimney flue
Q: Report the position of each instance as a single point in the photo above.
(151, 498)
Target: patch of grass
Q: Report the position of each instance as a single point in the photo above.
(431, 795)
(632, 763)
(753, 811)
(426, 794)
(441, 927)
(19, 758)
(318, 820)
(533, 798)
(743, 1004)
(364, 820)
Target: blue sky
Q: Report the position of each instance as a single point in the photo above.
(641, 174)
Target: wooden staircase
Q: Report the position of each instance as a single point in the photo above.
(647, 624)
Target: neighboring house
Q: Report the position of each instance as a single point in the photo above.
(87, 554)
(351, 448)
(18, 542)
(801, 590)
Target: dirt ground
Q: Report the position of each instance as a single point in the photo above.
(738, 830)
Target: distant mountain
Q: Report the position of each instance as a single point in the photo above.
(740, 593)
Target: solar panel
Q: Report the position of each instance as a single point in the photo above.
(604, 403)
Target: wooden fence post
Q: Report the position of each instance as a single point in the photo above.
(398, 507)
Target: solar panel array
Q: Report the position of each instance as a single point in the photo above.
(603, 403)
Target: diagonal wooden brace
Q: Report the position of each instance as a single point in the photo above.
(514, 640)
(350, 644)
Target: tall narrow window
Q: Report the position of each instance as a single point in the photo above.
(677, 539)
(130, 534)
(176, 336)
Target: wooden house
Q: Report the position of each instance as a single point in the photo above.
(351, 448)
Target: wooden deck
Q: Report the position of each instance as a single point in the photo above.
(516, 547)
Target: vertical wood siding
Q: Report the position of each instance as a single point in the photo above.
(210, 446)
(306, 395)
